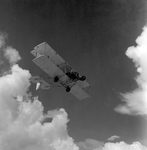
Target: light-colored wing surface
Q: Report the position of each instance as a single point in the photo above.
(78, 92)
(48, 66)
(46, 50)
(83, 84)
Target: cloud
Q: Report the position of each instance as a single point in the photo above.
(11, 85)
(90, 144)
(22, 117)
(124, 146)
(112, 138)
(3, 36)
(135, 103)
(27, 132)
(11, 55)
(2, 43)
(8, 55)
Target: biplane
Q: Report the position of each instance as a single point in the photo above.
(57, 72)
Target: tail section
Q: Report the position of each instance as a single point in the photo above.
(40, 83)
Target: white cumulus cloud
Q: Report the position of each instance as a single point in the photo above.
(11, 55)
(114, 137)
(90, 144)
(2, 39)
(21, 118)
(124, 146)
(135, 103)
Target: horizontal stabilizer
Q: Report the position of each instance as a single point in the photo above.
(40, 82)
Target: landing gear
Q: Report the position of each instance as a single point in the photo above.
(67, 89)
(83, 78)
(56, 79)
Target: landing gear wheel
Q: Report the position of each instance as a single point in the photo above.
(67, 89)
(56, 79)
(83, 78)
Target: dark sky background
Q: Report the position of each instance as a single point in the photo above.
(92, 36)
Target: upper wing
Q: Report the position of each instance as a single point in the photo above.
(46, 50)
(54, 65)
(48, 66)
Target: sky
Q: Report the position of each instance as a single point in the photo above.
(105, 40)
